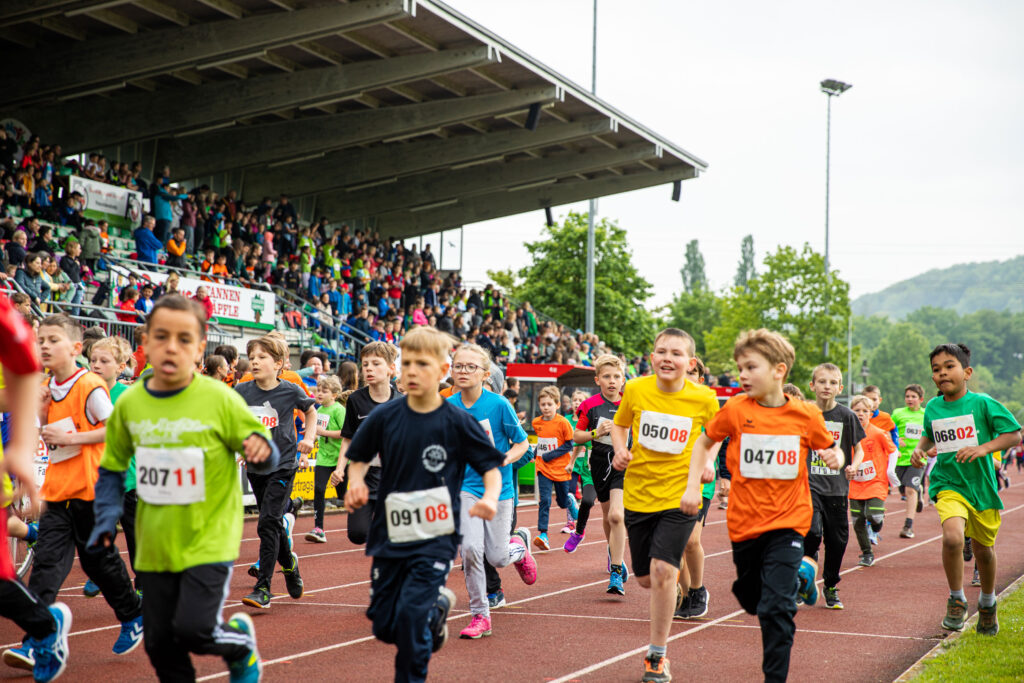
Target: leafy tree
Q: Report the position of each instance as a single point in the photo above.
(696, 312)
(746, 270)
(694, 279)
(901, 359)
(555, 282)
(506, 281)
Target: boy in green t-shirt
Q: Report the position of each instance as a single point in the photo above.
(184, 429)
(330, 416)
(965, 428)
(909, 422)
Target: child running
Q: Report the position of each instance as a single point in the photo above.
(330, 417)
(830, 488)
(870, 480)
(965, 428)
(274, 403)
(770, 506)
(491, 539)
(554, 462)
(879, 417)
(424, 445)
(183, 430)
(580, 478)
(909, 422)
(662, 412)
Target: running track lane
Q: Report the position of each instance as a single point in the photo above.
(566, 627)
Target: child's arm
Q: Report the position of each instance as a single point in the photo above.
(620, 436)
(855, 462)
(21, 391)
(702, 449)
(894, 457)
(1000, 443)
(575, 454)
(309, 438)
(338, 475)
(487, 506)
(516, 452)
(558, 452)
(358, 493)
(920, 454)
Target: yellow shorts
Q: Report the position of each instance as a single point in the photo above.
(981, 526)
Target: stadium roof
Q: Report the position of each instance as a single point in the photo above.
(401, 110)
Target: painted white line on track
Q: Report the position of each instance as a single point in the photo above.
(836, 633)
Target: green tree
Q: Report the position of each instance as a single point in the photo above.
(506, 281)
(695, 312)
(901, 359)
(556, 279)
(746, 270)
(791, 297)
(694, 279)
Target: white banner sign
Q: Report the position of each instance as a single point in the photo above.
(232, 305)
(120, 206)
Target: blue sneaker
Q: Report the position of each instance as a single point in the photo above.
(806, 587)
(496, 600)
(574, 509)
(130, 636)
(289, 526)
(90, 589)
(51, 652)
(20, 657)
(249, 668)
(625, 572)
(874, 536)
(615, 582)
(541, 541)
(32, 535)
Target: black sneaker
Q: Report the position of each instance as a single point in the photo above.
(260, 596)
(968, 550)
(682, 604)
(254, 570)
(907, 532)
(698, 602)
(656, 669)
(439, 625)
(292, 579)
(832, 600)
(295, 505)
(496, 600)
(866, 559)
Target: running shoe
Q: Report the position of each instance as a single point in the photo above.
(254, 570)
(439, 623)
(615, 582)
(295, 505)
(807, 588)
(698, 602)
(656, 669)
(90, 589)
(682, 603)
(570, 526)
(968, 550)
(724, 505)
(130, 636)
(906, 532)
(260, 596)
(496, 600)
(609, 560)
(976, 579)
(51, 652)
(248, 668)
(956, 613)
(573, 511)
(873, 536)
(479, 627)
(541, 541)
(32, 535)
(289, 526)
(292, 578)
(988, 623)
(574, 540)
(317, 535)
(866, 559)
(527, 567)
(920, 504)
(832, 600)
(20, 657)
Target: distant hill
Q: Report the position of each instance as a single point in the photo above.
(966, 287)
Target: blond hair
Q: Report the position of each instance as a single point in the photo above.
(479, 350)
(330, 383)
(343, 396)
(550, 392)
(827, 367)
(117, 346)
(427, 340)
(380, 350)
(676, 332)
(793, 391)
(861, 398)
(771, 345)
(605, 360)
(273, 344)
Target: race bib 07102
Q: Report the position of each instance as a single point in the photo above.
(769, 456)
(170, 476)
(419, 515)
(866, 471)
(953, 433)
(664, 433)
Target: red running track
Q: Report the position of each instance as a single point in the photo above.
(565, 627)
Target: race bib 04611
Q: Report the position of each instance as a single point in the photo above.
(664, 433)
(170, 476)
(769, 456)
(546, 445)
(419, 515)
(953, 433)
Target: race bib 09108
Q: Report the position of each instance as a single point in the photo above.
(769, 456)
(419, 515)
(664, 433)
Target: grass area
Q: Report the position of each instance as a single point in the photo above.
(972, 657)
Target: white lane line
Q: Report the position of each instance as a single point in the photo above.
(837, 633)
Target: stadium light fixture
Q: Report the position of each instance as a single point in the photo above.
(831, 88)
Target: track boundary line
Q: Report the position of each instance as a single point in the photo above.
(836, 633)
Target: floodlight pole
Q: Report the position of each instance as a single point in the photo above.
(589, 315)
(831, 88)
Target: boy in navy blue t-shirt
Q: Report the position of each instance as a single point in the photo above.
(425, 445)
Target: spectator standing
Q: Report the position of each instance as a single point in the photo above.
(71, 265)
(89, 237)
(147, 245)
(162, 198)
(176, 248)
(16, 251)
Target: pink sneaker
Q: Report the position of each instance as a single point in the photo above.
(574, 540)
(527, 567)
(570, 527)
(480, 626)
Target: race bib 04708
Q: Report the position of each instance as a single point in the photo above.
(170, 476)
(419, 515)
(664, 433)
(953, 433)
(769, 456)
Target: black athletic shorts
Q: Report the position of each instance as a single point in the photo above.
(702, 516)
(657, 535)
(910, 476)
(604, 475)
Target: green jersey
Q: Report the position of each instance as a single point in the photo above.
(129, 480)
(582, 464)
(190, 497)
(910, 425)
(972, 420)
(331, 418)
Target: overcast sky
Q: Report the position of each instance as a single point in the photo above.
(927, 148)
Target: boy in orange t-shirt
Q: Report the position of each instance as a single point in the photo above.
(879, 417)
(554, 462)
(770, 508)
(869, 484)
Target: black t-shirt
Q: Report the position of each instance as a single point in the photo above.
(357, 409)
(846, 429)
(420, 451)
(275, 409)
(590, 415)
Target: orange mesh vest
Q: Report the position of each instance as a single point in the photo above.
(75, 477)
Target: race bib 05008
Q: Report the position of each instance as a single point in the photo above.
(664, 433)
(953, 433)
(419, 515)
(170, 476)
(769, 456)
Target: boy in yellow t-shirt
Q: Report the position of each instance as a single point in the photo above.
(664, 412)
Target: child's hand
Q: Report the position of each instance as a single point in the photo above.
(54, 436)
(305, 446)
(622, 459)
(303, 461)
(970, 453)
(338, 475)
(358, 494)
(256, 448)
(918, 457)
(833, 457)
(708, 475)
(850, 472)
(485, 508)
(690, 503)
(603, 429)
(568, 468)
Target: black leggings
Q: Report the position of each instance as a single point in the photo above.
(589, 497)
(321, 477)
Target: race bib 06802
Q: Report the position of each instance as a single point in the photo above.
(769, 456)
(170, 476)
(419, 515)
(664, 433)
(866, 471)
(953, 433)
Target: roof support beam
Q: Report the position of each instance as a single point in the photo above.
(460, 184)
(256, 145)
(157, 114)
(112, 60)
(17, 11)
(498, 204)
(360, 166)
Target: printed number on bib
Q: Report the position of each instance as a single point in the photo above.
(546, 445)
(914, 431)
(61, 453)
(607, 438)
(664, 433)
(769, 456)
(322, 421)
(953, 433)
(486, 424)
(267, 415)
(419, 515)
(170, 476)
(866, 472)
(818, 465)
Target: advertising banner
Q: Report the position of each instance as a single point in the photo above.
(231, 305)
(119, 206)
